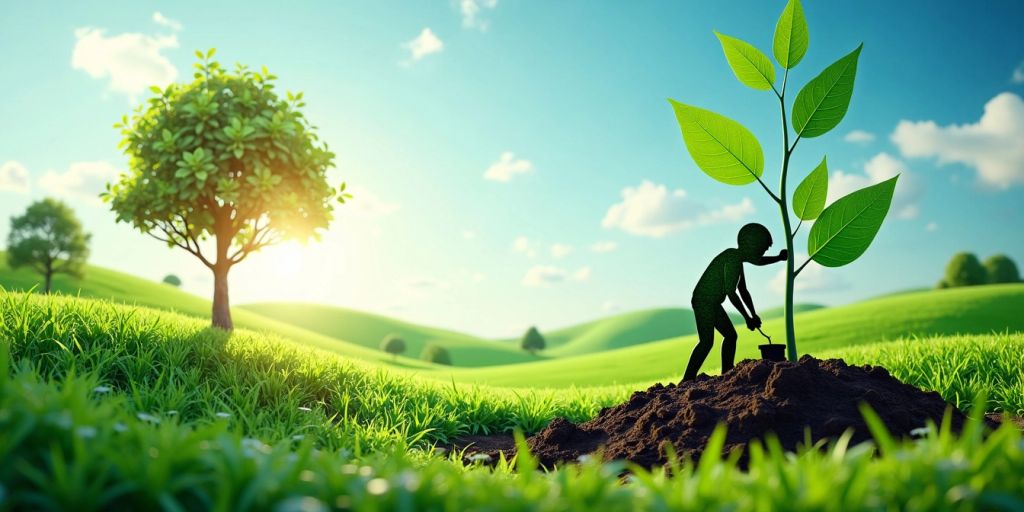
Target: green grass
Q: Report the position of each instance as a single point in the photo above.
(980, 309)
(115, 407)
(368, 330)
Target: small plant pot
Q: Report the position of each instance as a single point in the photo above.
(773, 352)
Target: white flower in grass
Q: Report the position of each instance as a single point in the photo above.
(149, 418)
(120, 427)
(585, 458)
(223, 415)
(377, 486)
(303, 408)
(101, 389)
(408, 479)
(171, 412)
(365, 471)
(254, 444)
(86, 432)
(920, 432)
(349, 469)
(298, 437)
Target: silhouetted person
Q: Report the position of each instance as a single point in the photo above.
(723, 278)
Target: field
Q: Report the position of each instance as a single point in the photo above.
(257, 421)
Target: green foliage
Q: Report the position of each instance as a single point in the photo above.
(964, 269)
(791, 37)
(751, 67)
(823, 102)
(393, 345)
(846, 228)
(436, 354)
(532, 341)
(1001, 269)
(809, 196)
(48, 238)
(223, 157)
(172, 280)
(721, 147)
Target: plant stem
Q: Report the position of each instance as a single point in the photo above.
(784, 210)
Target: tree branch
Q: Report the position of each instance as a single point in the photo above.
(801, 267)
(798, 224)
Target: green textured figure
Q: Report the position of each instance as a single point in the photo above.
(724, 278)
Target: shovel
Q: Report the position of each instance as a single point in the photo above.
(770, 351)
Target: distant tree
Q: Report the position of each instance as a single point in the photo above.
(963, 270)
(1001, 269)
(49, 239)
(436, 354)
(532, 341)
(223, 158)
(172, 280)
(393, 345)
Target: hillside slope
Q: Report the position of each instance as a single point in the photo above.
(980, 309)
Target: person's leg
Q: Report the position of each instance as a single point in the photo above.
(704, 314)
(724, 325)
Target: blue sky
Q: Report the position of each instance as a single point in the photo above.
(430, 105)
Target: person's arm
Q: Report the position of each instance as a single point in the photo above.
(753, 321)
(768, 260)
(739, 306)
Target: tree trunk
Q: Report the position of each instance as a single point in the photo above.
(49, 281)
(221, 304)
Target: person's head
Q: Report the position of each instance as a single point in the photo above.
(754, 239)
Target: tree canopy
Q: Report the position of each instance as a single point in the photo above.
(532, 341)
(223, 157)
(436, 354)
(393, 345)
(48, 238)
(172, 280)
(963, 269)
(1001, 269)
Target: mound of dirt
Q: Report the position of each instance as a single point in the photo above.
(755, 398)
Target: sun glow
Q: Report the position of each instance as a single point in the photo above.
(286, 260)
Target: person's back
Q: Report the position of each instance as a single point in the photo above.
(720, 278)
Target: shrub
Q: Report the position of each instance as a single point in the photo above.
(1001, 269)
(172, 280)
(963, 270)
(436, 354)
(393, 345)
(533, 341)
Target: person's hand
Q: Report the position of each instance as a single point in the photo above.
(783, 255)
(753, 322)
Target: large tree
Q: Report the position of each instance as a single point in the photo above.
(222, 167)
(1001, 269)
(49, 239)
(532, 341)
(963, 269)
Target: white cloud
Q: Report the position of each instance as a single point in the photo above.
(813, 278)
(162, 20)
(881, 167)
(652, 210)
(931, 227)
(471, 13)
(859, 137)
(367, 203)
(426, 283)
(992, 146)
(525, 246)
(83, 181)
(1018, 74)
(131, 62)
(561, 250)
(604, 246)
(506, 167)
(546, 275)
(424, 44)
(14, 178)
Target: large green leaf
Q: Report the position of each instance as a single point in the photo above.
(721, 147)
(846, 228)
(809, 197)
(791, 37)
(753, 68)
(822, 103)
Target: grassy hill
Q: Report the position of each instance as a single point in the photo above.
(980, 309)
(368, 330)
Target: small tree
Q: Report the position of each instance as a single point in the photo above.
(223, 159)
(436, 354)
(393, 345)
(963, 269)
(532, 341)
(172, 280)
(1001, 269)
(49, 239)
(729, 153)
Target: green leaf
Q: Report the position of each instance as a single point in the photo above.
(822, 103)
(846, 228)
(752, 67)
(791, 36)
(809, 197)
(721, 147)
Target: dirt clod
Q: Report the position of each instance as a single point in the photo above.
(755, 398)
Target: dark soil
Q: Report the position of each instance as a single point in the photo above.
(754, 399)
